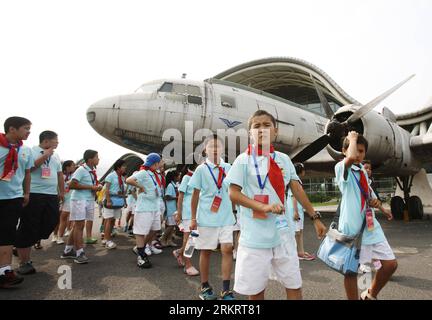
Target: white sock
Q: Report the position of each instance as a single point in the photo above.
(68, 249)
(79, 252)
(4, 269)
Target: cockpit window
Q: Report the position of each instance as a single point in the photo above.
(166, 87)
(194, 90)
(179, 88)
(148, 88)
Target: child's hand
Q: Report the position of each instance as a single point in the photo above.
(388, 214)
(352, 136)
(296, 216)
(276, 208)
(375, 203)
(320, 229)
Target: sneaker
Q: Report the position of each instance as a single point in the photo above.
(148, 251)
(156, 244)
(90, 241)
(155, 250)
(143, 262)
(135, 250)
(54, 238)
(131, 234)
(191, 271)
(81, 259)
(207, 294)
(227, 295)
(68, 255)
(365, 295)
(60, 240)
(9, 279)
(110, 245)
(179, 257)
(26, 269)
(103, 242)
(67, 233)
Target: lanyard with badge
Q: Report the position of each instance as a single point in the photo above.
(369, 212)
(217, 200)
(8, 177)
(263, 198)
(155, 184)
(46, 170)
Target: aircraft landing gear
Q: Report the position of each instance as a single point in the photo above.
(411, 204)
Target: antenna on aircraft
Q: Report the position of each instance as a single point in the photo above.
(184, 76)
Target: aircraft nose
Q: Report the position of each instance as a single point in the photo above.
(97, 114)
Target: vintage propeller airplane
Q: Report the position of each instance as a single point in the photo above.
(313, 114)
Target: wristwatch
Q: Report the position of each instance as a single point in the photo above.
(235, 211)
(317, 215)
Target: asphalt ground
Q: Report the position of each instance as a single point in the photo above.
(113, 274)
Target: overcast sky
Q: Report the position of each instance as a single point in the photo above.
(58, 57)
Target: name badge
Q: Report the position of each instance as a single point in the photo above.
(9, 176)
(369, 219)
(216, 204)
(263, 198)
(46, 173)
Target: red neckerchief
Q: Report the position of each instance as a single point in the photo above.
(274, 173)
(11, 162)
(93, 172)
(189, 173)
(365, 186)
(67, 177)
(155, 174)
(163, 179)
(120, 182)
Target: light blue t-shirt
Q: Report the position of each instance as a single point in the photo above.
(114, 189)
(171, 205)
(84, 177)
(351, 216)
(130, 200)
(186, 206)
(68, 192)
(45, 185)
(14, 189)
(148, 201)
(260, 233)
(203, 181)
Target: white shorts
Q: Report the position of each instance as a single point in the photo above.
(162, 207)
(299, 225)
(185, 225)
(170, 221)
(131, 208)
(210, 237)
(111, 213)
(255, 266)
(144, 222)
(82, 210)
(378, 251)
(66, 206)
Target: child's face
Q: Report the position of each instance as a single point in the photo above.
(177, 178)
(368, 169)
(22, 133)
(262, 130)
(71, 168)
(95, 160)
(51, 143)
(214, 149)
(155, 166)
(123, 169)
(361, 153)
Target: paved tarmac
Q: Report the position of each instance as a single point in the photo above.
(113, 274)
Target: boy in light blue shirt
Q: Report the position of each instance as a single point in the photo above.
(258, 180)
(183, 219)
(41, 216)
(171, 196)
(212, 213)
(357, 199)
(84, 186)
(115, 185)
(147, 214)
(15, 163)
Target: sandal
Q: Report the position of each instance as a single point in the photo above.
(191, 271)
(178, 257)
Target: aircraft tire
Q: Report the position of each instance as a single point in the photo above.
(397, 205)
(415, 207)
